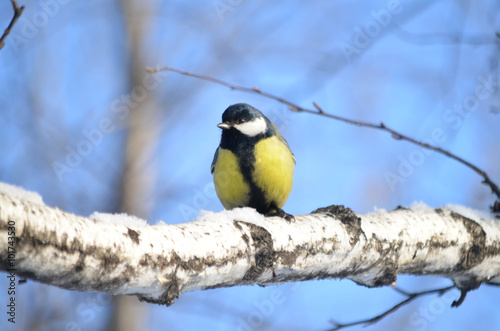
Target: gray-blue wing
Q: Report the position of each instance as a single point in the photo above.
(216, 155)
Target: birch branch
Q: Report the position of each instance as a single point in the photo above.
(157, 263)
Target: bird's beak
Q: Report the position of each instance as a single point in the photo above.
(223, 126)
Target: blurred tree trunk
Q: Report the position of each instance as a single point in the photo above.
(137, 182)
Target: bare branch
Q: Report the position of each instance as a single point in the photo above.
(319, 111)
(409, 298)
(252, 89)
(17, 13)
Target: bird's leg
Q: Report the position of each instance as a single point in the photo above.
(275, 211)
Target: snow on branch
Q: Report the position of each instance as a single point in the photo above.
(124, 255)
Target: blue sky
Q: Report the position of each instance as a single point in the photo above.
(417, 66)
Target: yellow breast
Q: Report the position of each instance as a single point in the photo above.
(230, 186)
(273, 169)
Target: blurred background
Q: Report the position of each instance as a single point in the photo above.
(84, 125)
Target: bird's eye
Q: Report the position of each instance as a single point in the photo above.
(241, 120)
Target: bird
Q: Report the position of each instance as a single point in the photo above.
(253, 165)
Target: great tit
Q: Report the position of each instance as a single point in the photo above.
(253, 165)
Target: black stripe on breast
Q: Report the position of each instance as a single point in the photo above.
(243, 147)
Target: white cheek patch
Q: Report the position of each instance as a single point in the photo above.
(252, 128)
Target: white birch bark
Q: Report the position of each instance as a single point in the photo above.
(240, 247)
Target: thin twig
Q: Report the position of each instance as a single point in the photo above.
(17, 13)
(319, 111)
(409, 298)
